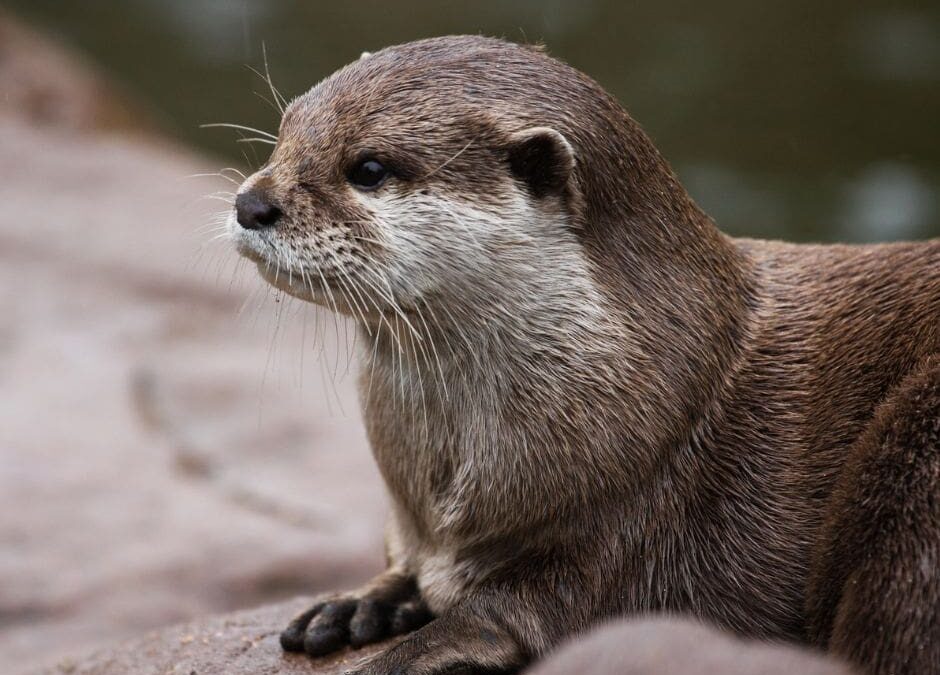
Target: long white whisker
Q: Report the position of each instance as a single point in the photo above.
(335, 312)
(233, 170)
(217, 174)
(282, 102)
(347, 295)
(242, 127)
(352, 286)
(256, 139)
(388, 297)
(381, 314)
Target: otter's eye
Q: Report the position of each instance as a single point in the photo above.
(368, 174)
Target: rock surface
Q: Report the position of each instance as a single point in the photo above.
(246, 643)
(170, 446)
(234, 644)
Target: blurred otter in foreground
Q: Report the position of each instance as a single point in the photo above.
(667, 646)
(585, 400)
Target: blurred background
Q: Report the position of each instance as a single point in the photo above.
(785, 118)
(175, 438)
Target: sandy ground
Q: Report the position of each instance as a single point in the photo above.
(170, 445)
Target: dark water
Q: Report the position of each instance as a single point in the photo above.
(804, 120)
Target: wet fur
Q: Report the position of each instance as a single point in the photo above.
(588, 401)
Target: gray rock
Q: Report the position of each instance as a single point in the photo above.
(243, 643)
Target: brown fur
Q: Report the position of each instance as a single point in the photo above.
(749, 436)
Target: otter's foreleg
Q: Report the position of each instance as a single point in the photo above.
(389, 605)
(875, 585)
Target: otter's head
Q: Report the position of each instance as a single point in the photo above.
(474, 173)
(420, 172)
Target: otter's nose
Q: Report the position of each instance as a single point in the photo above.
(254, 212)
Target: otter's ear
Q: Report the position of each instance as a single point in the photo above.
(541, 158)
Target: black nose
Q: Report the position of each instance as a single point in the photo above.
(254, 212)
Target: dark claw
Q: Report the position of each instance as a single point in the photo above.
(292, 638)
(354, 621)
(325, 641)
(409, 616)
(329, 630)
(369, 623)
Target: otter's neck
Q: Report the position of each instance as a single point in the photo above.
(578, 392)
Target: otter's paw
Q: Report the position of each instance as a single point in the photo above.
(352, 620)
(457, 643)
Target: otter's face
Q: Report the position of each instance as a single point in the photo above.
(380, 195)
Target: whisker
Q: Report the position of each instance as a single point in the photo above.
(455, 156)
(274, 106)
(389, 297)
(242, 127)
(382, 318)
(267, 71)
(256, 139)
(233, 170)
(372, 241)
(335, 312)
(349, 301)
(219, 198)
(351, 284)
(217, 174)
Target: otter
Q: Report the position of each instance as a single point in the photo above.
(585, 400)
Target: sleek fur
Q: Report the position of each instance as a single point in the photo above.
(585, 400)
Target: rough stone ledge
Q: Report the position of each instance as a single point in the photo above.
(230, 644)
(246, 643)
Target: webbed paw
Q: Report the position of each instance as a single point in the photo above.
(356, 619)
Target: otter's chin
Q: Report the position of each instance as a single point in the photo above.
(246, 250)
(328, 297)
(293, 283)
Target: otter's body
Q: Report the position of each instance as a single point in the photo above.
(585, 400)
(697, 530)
